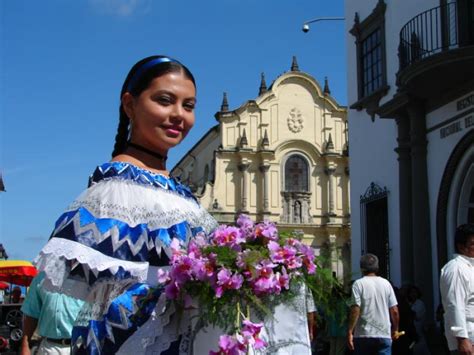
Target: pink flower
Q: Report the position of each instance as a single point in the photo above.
(310, 266)
(250, 332)
(240, 261)
(246, 225)
(182, 270)
(307, 252)
(227, 281)
(283, 255)
(264, 285)
(172, 290)
(175, 246)
(294, 243)
(265, 268)
(228, 236)
(199, 269)
(283, 279)
(267, 230)
(163, 276)
(294, 262)
(229, 345)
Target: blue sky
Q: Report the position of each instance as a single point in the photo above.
(62, 64)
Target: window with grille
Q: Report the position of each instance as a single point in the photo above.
(371, 59)
(372, 63)
(296, 174)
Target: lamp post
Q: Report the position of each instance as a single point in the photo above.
(305, 28)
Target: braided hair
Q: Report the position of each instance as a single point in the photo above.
(138, 80)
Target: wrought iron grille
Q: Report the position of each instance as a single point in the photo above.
(441, 28)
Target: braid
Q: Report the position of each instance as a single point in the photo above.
(122, 134)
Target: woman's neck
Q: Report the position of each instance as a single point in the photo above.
(142, 160)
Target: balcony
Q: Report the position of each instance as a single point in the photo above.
(436, 50)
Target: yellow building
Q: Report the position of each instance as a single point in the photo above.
(281, 156)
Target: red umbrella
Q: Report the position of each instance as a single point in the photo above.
(18, 272)
(4, 285)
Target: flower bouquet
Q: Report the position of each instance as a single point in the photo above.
(234, 271)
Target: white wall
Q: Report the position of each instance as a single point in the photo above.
(372, 159)
(372, 144)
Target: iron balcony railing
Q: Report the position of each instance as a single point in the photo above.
(439, 29)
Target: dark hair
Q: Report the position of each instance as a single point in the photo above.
(141, 81)
(463, 232)
(369, 263)
(416, 289)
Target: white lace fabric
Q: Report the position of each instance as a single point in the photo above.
(131, 203)
(135, 204)
(53, 261)
(156, 335)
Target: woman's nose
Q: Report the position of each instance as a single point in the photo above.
(177, 111)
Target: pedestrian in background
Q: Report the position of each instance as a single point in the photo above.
(419, 311)
(373, 305)
(53, 314)
(457, 293)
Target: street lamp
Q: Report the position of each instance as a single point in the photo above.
(306, 23)
(3, 252)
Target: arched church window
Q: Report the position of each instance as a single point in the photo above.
(296, 174)
(296, 190)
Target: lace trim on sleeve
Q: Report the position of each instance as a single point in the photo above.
(58, 254)
(157, 334)
(137, 204)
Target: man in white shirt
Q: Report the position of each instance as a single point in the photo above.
(373, 305)
(457, 293)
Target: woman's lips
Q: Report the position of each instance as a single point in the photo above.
(173, 131)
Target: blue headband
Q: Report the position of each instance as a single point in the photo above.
(140, 71)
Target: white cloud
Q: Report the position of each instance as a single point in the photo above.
(123, 8)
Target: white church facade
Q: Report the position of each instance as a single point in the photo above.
(282, 156)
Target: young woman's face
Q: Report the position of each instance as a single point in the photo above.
(163, 114)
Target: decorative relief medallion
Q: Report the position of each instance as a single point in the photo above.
(295, 120)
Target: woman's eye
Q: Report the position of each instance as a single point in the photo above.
(189, 106)
(164, 100)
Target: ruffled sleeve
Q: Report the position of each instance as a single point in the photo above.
(123, 223)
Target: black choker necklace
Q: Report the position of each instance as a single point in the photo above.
(147, 151)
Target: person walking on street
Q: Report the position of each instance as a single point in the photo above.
(457, 293)
(373, 306)
(53, 314)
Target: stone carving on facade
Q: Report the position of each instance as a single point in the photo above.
(296, 207)
(295, 120)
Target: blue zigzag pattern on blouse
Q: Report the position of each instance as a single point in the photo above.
(126, 171)
(117, 239)
(126, 313)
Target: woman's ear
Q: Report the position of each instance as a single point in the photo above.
(128, 102)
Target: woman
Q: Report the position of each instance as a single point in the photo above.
(110, 243)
